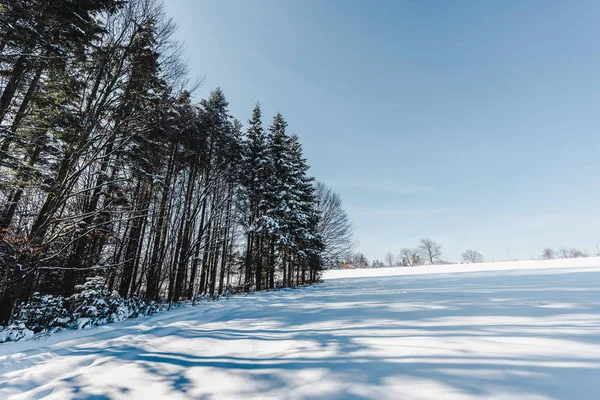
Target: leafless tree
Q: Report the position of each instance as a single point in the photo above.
(571, 253)
(410, 257)
(334, 227)
(389, 259)
(563, 253)
(548, 254)
(575, 253)
(472, 256)
(432, 251)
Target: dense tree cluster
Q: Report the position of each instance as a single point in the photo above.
(429, 252)
(109, 168)
(549, 254)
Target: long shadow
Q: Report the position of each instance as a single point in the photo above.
(370, 338)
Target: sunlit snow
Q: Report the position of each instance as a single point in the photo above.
(528, 330)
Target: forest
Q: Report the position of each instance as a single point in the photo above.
(113, 172)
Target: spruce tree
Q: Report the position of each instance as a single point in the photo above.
(255, 174)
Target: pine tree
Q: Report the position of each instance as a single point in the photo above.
(255, 173)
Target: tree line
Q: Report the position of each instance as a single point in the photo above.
(429, 252)
(549, 254)
(109, 168)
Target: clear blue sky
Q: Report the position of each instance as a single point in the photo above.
(475, 123)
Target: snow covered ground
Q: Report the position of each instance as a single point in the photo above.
(526, 330)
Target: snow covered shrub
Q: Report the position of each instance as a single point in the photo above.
(118, 309)
(42, 313)
(92, 304)
(135, 306)
(138, 307)
(14, 332)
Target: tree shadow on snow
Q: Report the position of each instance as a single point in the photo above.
(471, 335)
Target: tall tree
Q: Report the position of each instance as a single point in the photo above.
(431, 250)
(334, 226)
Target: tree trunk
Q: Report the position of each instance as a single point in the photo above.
(11, 86)
(272, 265)
(153, 273)
(133, 241)
(194, 268)
(259, 264)
(22, 109)
(184, 239)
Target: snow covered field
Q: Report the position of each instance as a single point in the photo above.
(528, 330)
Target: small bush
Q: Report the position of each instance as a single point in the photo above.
(93, 305)
(43, 313)
(15, 332)
(138, 307)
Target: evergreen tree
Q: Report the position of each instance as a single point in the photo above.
(255, 174)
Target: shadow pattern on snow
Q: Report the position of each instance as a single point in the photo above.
(512, 334)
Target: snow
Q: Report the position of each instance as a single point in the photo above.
(527, 330)
(454, 268)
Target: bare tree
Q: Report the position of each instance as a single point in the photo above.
(575, 253)
(389, 259)
(432, 251)
(472, 256)
(410, 257)
(548, 254)
(563, 253)
(334, 226)
(571, 253)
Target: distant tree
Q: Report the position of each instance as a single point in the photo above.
(359, 260)
(563, 253)
(571, 253)
(472, 256)
(389, 259)
(432, 251)
(377, 264)
(548, 254)
(575, 253)
(410, 257)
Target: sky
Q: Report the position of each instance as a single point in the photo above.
(473, 123)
